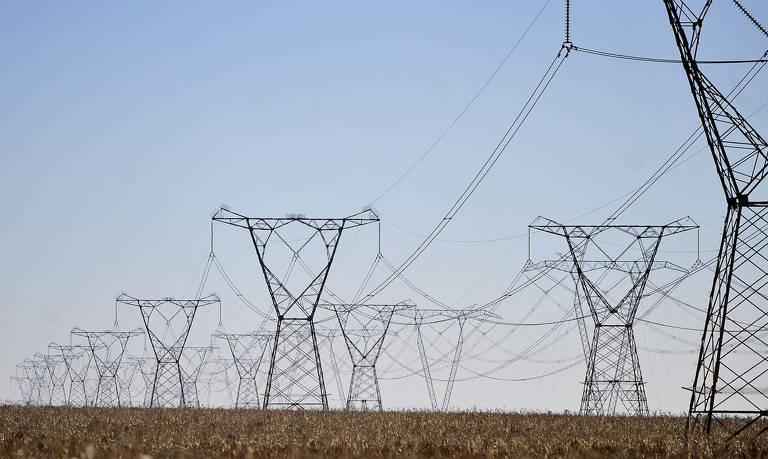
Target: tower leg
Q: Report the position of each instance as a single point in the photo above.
(364, 389)
(295, 378)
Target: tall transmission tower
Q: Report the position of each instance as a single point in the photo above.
(364, 328)
(168, 322)
(248, 351)
(126, 376)
(107, 349)
(77, 359)
(295, 378)
(612, 282)
(732, 369)
(25, 389)
(33, 372)
(147, 371)
(426, 317)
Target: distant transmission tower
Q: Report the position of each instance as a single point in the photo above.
(426, 317)
(611, 281)
(107, 349)
(295, 378)
(168, 322)
(247, 352)
(36, 371)
(56, 369)
(77, 359)
(364, 327)
(193, 361)
(732, 371)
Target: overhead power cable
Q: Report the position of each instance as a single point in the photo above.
(496, 153)
(464, 110)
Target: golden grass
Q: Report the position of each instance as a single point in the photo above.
(112, 432)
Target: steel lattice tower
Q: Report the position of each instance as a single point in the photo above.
(107, 349)
(78, 361)
(57, 372)
(34, 374)
(732, 371)
(613, 373)
(423, 317)
(295, 378)
(364, 328)
(193, 359)
(168, 322)
(247, 352)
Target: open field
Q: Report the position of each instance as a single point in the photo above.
(110, 432)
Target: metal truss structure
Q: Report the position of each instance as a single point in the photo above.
(247, 352)
(168, 322)
(732, 369)
(612, 285)
(126, 376)
(56, 370)
(423, 317)
(25, 388)
(107, 349)
(77, 359)
(34, 375)
(295, 378)
(193, 360)
(146, 369)
(364, 328)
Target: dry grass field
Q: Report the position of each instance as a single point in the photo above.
(112, 432)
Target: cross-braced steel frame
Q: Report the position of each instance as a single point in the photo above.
(194, 359)
(107, 349)
(57, 372)
(168, 322)
(732, 369)
(295, 378)
(248, 351)
(34, 371)
(364, 328)
(77, 359)
(613, 369)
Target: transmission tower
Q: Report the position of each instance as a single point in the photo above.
(364, 327)
(295, 378)
(193, 360)
(424, 317)
(77, 359)
(25, 388)
(56, 370)
(107, 349)
(612, 284)
(247, 352)
(732, 369)
(36, 371)
(146, 369)
(168, 322)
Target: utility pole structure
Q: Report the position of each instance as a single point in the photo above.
(613, 369)
(107, 349)
(34, 374)
(422, 317)
(732, 369)
(248, 351)
(25, 388)
(364, 328)
(147, 371)
(295, 378)
(168, 322)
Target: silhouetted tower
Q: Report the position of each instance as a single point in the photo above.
(732, 370)
(193, 361)
(247, 352)
(612, 281)
(295, 378)
(107, 349)
(364, 327)
(168, 322)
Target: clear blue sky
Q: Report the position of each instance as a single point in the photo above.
(125, 125)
